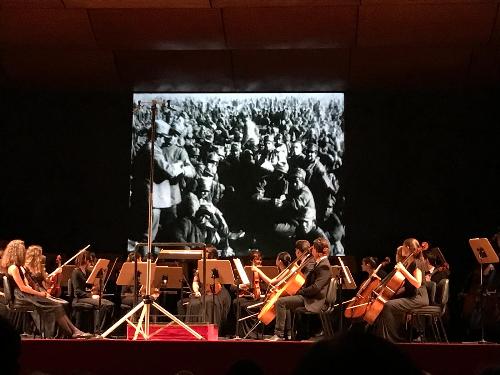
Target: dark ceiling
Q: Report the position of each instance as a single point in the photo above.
(249, 45)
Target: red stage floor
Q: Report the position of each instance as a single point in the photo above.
(168, 357)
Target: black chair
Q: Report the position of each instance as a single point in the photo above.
(325, 315)
(24, 310)
(81, 313)
(432, 313)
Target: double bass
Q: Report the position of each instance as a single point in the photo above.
(388, 287)
(288, 285)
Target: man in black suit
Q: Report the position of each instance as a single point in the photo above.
(312, 294)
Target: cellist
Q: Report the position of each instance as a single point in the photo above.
(390, 323)
(313, 293)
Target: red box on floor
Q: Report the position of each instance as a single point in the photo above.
(174, 332)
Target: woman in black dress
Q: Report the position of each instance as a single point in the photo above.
(27, 295)
(390, 324)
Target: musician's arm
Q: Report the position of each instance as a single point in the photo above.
(415, 279)
(264, 277)
(322, 280)
(14, 272)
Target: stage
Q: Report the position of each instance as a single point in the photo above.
(108, 356)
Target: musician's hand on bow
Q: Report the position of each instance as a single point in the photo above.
(255, 268)
(197, 294)
(57, 270)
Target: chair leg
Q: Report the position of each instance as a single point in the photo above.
(442, 328)
(435, 329)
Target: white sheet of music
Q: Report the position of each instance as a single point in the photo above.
(241, 271)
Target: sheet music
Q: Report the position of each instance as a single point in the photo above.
(241, 271)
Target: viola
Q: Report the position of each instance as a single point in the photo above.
(388, 287)
(54, 287)
(256, 284)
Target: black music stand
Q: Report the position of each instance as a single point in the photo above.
(344, 281)
(220, 270)
(484, 253)
(167, 277)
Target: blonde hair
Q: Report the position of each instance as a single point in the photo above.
(34, 259)
(14, 253)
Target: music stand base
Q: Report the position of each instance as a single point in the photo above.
(142, 326)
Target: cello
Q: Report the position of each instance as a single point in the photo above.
(358, 305)
(388, 287)
(288, 285)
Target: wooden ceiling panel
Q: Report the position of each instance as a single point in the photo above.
(36, 28)
(409, 67)
(425, 24)
(279, 3)
(60, 69)
(485, 67)
(37, 4)
(189, 71)
(291, 70)
(158, 29)
(296, 27)
(109, 4)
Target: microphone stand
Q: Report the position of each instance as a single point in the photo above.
(215, 275)
(142, 326)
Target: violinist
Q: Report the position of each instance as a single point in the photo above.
(390, 324)
(84, 298)
(27, 294)
(312, 294)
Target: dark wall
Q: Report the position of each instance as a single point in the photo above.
(64, 169)
(423, 165)
(417, 164)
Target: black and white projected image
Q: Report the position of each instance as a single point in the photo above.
(239, 171)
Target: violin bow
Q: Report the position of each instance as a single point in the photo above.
(69, 260)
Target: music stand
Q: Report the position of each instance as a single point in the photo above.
(345, 281)
(484, 253)
(99, 271)
(127, 276)
(219, 269)
(168, 277)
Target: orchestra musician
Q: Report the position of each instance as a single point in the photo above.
(435, 271)
(84, 298)
(28, 295)
(35, 271)
(217, 298)
(370, 264)
(283, 259)
(313, 293)
(390, 323)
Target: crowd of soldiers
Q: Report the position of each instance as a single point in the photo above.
(240, 173)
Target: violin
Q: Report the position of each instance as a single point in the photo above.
(54, 287)
(256, 284)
